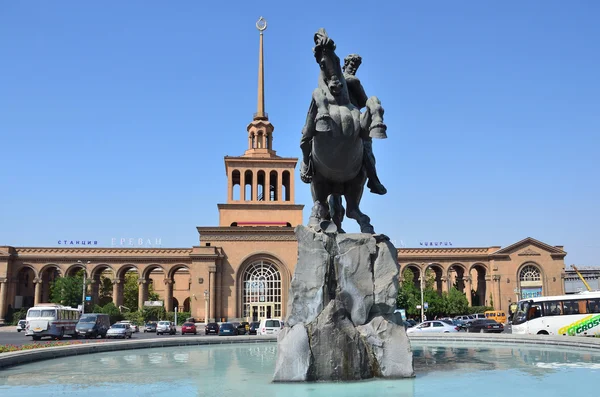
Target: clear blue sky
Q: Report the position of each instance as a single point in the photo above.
(115, 116)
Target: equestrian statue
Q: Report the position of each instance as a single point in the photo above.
(337, 155)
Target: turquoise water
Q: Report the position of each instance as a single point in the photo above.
(245, 370)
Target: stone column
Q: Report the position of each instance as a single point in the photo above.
(94, 288)
(279, 186)
(37, 294)
(489, 289)
(211, 290)
(142, 292)
(117, 289)
(445, 282)
(218, 295)
(292, 187)
(3, 298)
(268, 185)
(497, 299)
(242, 185)
(468, 288)
(168, 295)
(255, 187)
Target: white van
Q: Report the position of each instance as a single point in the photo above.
(270, 326)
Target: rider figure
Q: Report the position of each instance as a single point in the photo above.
(359, 98)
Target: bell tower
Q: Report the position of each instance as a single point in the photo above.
(260, 184)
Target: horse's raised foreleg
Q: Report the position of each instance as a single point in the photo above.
(372, 119)
(323, 118)
(353, 191)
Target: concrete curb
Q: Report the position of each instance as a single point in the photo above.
(45, 353)
(578, 342)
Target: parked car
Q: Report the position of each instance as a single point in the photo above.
(485, 326)
(432, 327)
(409, 323)
(119, 330)
(227, 329)
(253, 329)
(166, 327)
(465, 318)
(243, 328)
(188, 328)
(211, 328)
(479, 316)
(134, 328)
(92, 325)
(21, 325)
(150, 326)
(498, 315)
(270, 326)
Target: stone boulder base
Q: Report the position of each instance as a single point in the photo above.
(341, 323)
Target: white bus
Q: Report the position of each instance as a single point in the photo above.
(573, 315)
(51, 319)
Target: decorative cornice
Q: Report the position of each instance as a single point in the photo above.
(261, 205)
(529, 252)
(267, 161)
(249, 233)
(248, 237)
(530, 241)
(441, 251)
(101, 251)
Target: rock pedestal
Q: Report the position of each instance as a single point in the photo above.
(341, 323)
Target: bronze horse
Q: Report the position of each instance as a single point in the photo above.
(332, 145)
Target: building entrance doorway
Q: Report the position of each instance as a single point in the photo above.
(261, 311)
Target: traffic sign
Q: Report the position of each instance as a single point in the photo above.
(426, 305)
(418, 306)
(88, 298)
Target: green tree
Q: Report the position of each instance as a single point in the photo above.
(67, 290)
(457, 303)
(105, 290)
(409, 295)
(130, 291)
(113, 312)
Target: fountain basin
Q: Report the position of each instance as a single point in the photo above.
(449, 366)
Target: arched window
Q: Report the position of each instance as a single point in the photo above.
(261, 295)
(530, 273)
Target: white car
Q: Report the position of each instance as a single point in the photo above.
(270, 326)
(134, 328)
(465, 318)
(432, 327)
(21, 325)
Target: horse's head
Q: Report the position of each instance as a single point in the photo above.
(329, 62)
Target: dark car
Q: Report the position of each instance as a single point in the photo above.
(409, 323)
(227, 329)
(211, 328)
(243, 328)
(482, 325)
(92, 325)
(253, 328)
(150, 327)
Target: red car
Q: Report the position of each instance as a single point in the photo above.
(188, 328)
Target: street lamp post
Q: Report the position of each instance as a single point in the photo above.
(422, 303)
(423, 273)
(206, 298)
(83, 288)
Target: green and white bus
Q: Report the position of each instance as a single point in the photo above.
(571, 315)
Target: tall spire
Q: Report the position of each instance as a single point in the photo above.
(261, 25)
